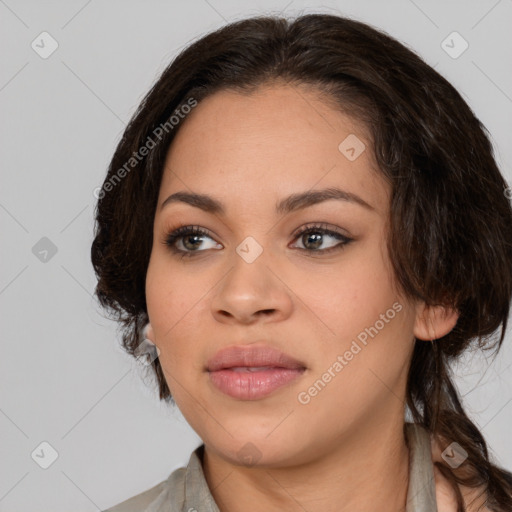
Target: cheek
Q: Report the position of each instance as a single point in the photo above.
(352, 294)
(175, 301)
(170, 290)
(166, 301)
(170, 309)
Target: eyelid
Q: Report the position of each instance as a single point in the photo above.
(322, 226)
(179, 232)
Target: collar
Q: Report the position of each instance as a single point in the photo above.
(188, 491)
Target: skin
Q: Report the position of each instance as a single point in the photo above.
(344, 450)
(474, 498)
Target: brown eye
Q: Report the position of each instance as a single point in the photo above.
(190, 237)
(313, 237)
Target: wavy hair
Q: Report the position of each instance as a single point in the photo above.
(450, 239)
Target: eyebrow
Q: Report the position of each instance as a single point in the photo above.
(289, 204)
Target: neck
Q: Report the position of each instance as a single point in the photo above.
(368, 466)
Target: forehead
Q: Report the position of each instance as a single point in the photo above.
(275, 141)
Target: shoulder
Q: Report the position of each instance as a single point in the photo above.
(474, 498)
(139, 502)
(168, 495)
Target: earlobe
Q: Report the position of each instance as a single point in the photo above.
(148, 334)
(434, 322)
(147, 351)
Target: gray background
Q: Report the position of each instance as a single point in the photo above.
(64, 378)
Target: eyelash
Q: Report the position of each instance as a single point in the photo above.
(180, 232)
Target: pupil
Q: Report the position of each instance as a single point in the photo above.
(195, 237)
(315, 237)
(316, 243)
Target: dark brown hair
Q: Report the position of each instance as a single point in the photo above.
(450, 238)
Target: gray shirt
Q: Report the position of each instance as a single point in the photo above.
(186, 489)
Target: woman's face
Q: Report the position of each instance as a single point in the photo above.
(251, 280)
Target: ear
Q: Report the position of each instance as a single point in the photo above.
(434, 322)
(148, 333)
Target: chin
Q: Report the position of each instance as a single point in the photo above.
(253, 450)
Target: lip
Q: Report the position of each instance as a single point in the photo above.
(228, 372)
(252, 355)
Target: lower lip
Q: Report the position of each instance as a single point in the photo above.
(246, 385)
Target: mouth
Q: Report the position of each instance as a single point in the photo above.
(253, 383)
(252, 356)
(252, 372)
(254, 368)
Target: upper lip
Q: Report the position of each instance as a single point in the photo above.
(253, 355)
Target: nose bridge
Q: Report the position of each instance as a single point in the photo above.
(251, 285)
(250, 250)
(250, 269)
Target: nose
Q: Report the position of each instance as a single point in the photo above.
(251, 292)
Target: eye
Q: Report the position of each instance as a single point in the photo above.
(190, 239)
(314, 236)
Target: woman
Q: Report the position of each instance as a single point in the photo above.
(307, 224)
